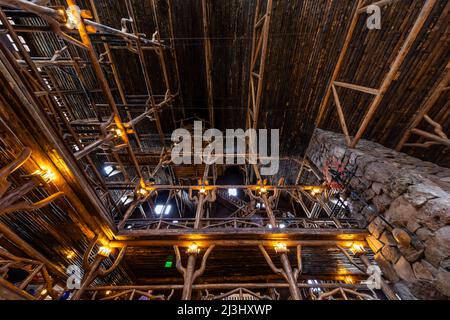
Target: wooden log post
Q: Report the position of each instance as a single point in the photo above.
(199, 211)
(89, 276)
(189, 273)
(290, 275)
(95, 269)
(190, 268)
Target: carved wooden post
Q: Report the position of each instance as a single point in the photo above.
(189, 273)
(199, 212)
(95, 269)
(267, 205)
(89, 276)
(203, 196)
(290, 275)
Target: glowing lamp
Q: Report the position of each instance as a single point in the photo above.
(357, 249)
(104, 251)
(348, 280)
(202, 191)
(44, 292)
(46, 174)
(70, 255)
(118, 132)
(193, 249)
(280, 247)
(73, 17)
(263, 190)
(315, 191)
(108, 292)
(142, 192)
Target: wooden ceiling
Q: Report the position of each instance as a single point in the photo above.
(305, 39)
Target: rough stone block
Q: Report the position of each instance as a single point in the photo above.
(391, 254)
(376, 227)
(388, 239)
(421, 271)
(443, 282)
(404, 270)
(438, 247)
(382, 202)
(374, 244)
(401, 237)
(410, 253)
(377, 187)
(401, 212)
(387, 268)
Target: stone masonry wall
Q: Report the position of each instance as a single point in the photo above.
(413, 196)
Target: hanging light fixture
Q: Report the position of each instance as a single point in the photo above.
(280, 247)
(104, 251)
(193, 249)
(357, 248)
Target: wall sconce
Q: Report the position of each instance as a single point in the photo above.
(193, 249)
(118, 132)
(280, 247)
(47, 175)
(348, 280)
(73, 17)
(70, 255)
(108, 292)
(315, 191)
(104, 251)
(357, 249)
(142, 192)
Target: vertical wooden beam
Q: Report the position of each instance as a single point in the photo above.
(290, 278)
(104, 85)
(199, 211)
(175, 58)
(89, 276)
(208, 62)
(190, 268)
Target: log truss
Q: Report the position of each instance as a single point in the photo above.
(388, 79)
(438, 137)
(260, 40)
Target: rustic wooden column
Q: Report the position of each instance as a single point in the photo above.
(269, 210)
(95, 269)
(290, 278)
(89, 277)
(189, 273)
(190, 268)
(199, 212)
(290, 275)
